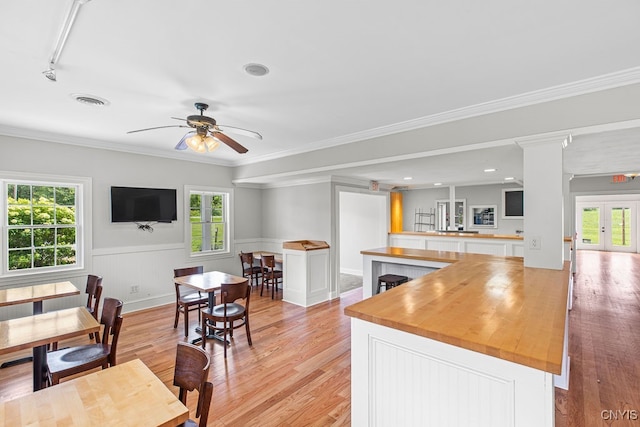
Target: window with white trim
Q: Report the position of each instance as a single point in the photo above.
(42, 225)
(209, 217)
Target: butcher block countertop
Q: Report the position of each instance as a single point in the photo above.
(469, 235)
(489, 304)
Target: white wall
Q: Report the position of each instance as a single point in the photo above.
(297, 212)
(474, 195)
(123, 255)
(363, 225)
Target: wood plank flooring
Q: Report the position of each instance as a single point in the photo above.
(296, 374)
(604, 343)
(298, 371)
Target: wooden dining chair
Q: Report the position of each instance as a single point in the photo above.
(73, 360)
(270, 274)
(231, 314)
(94, 292)
(188, 299)
(191, 373)
(249, 270)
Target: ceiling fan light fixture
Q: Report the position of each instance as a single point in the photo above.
(211, 143)
(196, 143)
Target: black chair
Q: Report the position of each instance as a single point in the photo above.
(188, 299)
(249, 270)
(191, 373)
(94, 292)
(270, 275)
(73, 360)
(228, 313)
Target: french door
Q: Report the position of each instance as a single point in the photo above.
(609, 226)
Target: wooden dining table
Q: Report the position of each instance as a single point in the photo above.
(34, 294)
(209, 282)
(276, 255)
(41, 329)
(128, 394)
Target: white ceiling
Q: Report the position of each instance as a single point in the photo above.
(339, 71)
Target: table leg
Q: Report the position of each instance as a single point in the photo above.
(211, 336)
(39, 366)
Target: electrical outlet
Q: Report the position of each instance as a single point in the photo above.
(135, 289)
(535, 243)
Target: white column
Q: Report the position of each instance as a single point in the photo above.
(543, 201)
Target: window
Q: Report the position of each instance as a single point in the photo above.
(209, 214)
(42, 225)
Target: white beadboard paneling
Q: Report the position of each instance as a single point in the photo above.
(402, 379)
(451, 245)
(150, 270)
(407, 243)
(487, 248)
(411, 271)
(449, 394)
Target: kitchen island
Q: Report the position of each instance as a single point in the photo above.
(476, 342)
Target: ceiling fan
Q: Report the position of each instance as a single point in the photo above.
(207, 134)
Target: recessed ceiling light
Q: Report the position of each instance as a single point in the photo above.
(256, 70)
(509, 178)
(490, 170)
(90, 100)
(437, 183)
(408, 178)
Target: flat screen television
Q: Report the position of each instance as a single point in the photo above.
(132, 204)
(512, 203)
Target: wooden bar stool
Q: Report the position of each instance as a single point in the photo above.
(391, 281)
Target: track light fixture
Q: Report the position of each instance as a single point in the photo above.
(50, 73)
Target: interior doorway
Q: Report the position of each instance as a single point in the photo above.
(363, 224)
(606, 224)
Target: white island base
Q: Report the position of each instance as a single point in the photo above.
(402, 379)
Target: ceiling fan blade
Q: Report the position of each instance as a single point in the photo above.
(239, 131)
(179, 118)
(157, 127)
(230, 142)
(182, 145)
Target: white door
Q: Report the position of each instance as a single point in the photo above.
(619, 230)
(607, 226)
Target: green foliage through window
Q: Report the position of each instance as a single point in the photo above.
(41, 226)
(207, 216)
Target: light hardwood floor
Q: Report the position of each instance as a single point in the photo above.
(298, 371)
(604, 343)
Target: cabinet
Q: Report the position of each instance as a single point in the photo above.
(482, 216)
(424, 220)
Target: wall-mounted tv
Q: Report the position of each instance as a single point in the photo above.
(132, 204)
(512, 203)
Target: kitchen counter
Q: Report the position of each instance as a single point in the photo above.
(490, 304)
(484, 328)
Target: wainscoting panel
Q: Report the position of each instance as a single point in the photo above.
(444, 245)
(487, 248)
(449, 394)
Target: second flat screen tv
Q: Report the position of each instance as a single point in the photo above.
(133, 204)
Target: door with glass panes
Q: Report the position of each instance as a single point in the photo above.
(609, 226)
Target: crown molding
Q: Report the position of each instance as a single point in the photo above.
(581, 87)
(104, 145)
